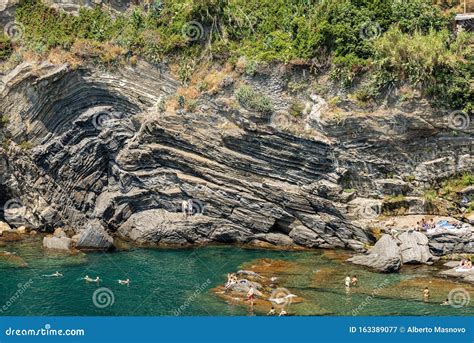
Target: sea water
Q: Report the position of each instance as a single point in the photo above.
(167, 282)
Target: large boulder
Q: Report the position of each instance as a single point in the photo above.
(384, 256)
(95, 238)
(414, 247)
(57, 243)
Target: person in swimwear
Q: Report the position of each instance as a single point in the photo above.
(124, 282)
(251, 294)
(426, 294)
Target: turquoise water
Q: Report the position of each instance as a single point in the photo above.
(179, 281)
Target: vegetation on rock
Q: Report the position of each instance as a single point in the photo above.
(377, 43)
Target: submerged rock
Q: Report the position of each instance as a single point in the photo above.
(384, 256)
(12, 259)
(10, 235)
(57, 243)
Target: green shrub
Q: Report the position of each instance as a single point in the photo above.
(296, 108)
(412, 43)
(253, 100)
(5, 47)
(3, 121)
(26, 145)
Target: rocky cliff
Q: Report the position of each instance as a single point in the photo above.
(93, 148)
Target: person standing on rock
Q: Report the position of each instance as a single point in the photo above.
(190, 207)
(250, 295)
(184, 206)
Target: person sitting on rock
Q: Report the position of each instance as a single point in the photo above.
(444, 303)
(432, 224)
(271, 312)
(424, 225)
(231, 279)
(468, 265)
(282, 313)
(418, 226)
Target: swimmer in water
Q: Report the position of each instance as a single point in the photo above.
(354, 280)
(347, 282)
(56, 274)
(124, 282)
(89, 279)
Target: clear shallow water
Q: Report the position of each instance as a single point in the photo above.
(171, 281)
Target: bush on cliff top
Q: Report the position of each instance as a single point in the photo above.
(357, 34)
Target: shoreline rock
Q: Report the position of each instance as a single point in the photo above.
(384, 256)
(57, 243)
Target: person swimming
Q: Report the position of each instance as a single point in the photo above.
(124, 282)
(55, 274)
(89, 279)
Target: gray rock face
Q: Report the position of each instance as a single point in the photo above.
(95, 238)
(384, 256)
(104, 153)
(443, 242)
(414, 247)
(57, 243)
